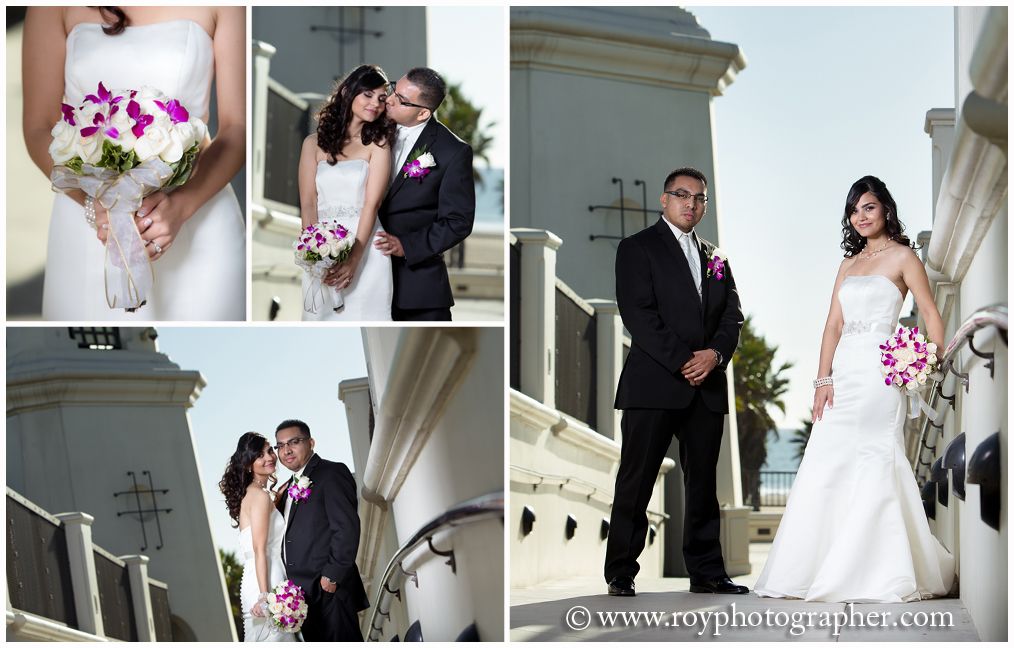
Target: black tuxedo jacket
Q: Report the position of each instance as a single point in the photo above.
(667, 322)
(322, 536)
(430, 216)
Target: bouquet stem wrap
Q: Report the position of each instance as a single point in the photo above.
(128, 273)
(316, 287)
(917, 403)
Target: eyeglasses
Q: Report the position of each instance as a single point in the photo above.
(402, 100)
(294, 443)
(700, 199)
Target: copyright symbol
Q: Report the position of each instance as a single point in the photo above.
(577, 618)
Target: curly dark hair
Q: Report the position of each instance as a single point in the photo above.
(852, 242)
(238, 474)
(116, 19)
(336, 114)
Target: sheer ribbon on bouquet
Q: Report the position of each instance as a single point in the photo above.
(314, 293)
(128, 273)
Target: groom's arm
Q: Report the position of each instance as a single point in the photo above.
(639, 308)
(726, 336)
(455, 212)
(341, 506)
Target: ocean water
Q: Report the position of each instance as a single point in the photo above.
(488, 199)
(780, 457)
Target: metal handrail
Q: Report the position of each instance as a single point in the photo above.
(989, 316)
(474, 510)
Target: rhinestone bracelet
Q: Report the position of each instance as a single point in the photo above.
(89, 209)
(822, 382)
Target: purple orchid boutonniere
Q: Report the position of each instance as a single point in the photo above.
(300, 490)
(419, 164)
(716, 264)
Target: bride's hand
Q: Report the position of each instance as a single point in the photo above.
(342, 274)
(101, 222)
(821, 397)
(258, 608)
(159, 221)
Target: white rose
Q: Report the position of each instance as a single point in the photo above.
(920, 338)
(921, 378)
(86, 114)
(200, 130)
(275, 607)
(898, 381)
(123, 123)
(904, 355)
(720, 253)
(304, 482)
(912, 371)
(89, 148)
(149, 93)
(931, 348)
(152, 144)
(175, 149)
(63, 146)
(912, 385)
(426, 161)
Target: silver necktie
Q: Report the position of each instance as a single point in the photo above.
(693, 259)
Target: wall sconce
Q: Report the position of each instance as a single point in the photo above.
(527, 520)
(984, 470)
(929, 503)
(604, 529)
(954, 459)
(938, 474)
(652, 532)
(570, 527)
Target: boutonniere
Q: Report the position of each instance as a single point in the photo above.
(419, 164)
(300, 490)
(716, 264)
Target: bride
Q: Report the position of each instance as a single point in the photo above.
(344, 171)
(246, 486)
(194, 236)
(854, 527)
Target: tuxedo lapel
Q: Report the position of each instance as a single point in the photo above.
(704, 251)
(673, 246)
(296, 506)
(426, 139)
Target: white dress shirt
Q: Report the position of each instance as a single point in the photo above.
(404, 141)
(288, 505)
(691, 246)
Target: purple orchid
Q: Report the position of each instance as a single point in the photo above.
(716, 268)
(177, 113)
(68, 113)
(98, 123)
(140, 121)
(415, 170)
(103, 96)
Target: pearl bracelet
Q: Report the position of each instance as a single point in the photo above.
(823, 382)
(89, 209)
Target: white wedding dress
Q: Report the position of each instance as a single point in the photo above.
(854, 528)
(260, 628)
(203, 275)
(340, 192)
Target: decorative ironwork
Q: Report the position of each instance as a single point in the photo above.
(140, 511)
(96, 338)
(623, 209)
(449, 554)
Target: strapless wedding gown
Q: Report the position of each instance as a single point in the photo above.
(340, 192)
(203, 275)
(260, 628)
(854, 528)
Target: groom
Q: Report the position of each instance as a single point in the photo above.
(321, 537)
(430, 205)
(684, 322)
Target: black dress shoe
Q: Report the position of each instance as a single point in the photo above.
(621, 586)
(718, 586)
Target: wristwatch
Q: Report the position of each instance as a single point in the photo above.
(333, 582)
(718, 356)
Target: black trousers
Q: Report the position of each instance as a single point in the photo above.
(420, 314)
(331, 619)
(646, 437)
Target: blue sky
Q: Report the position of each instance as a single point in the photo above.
(828, 95)
(466, 45)
(257, 377)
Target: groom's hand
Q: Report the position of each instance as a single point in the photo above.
(699, 366)
(389, 244)
(328, 585)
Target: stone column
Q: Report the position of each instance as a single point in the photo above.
(81, 554)
(538, 312)
(609, 358)
(137, 568)
(355, 394)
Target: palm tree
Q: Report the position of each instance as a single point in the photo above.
(759, 386)
(462, 117)
(801, 437)
(233, 571)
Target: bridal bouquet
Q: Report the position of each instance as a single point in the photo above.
(118, 147)
(318, 249)
(908, 362)
(286, 607)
